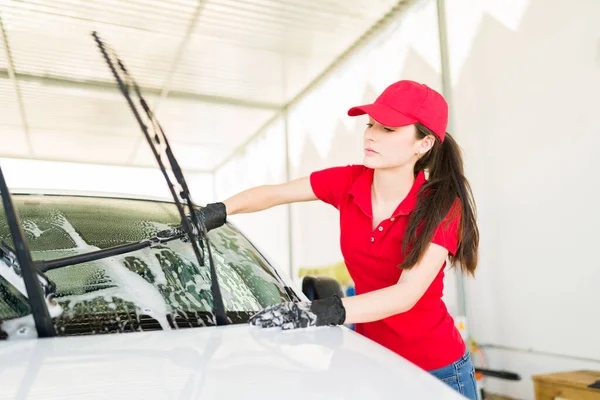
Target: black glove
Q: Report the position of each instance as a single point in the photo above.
(290, 315)
(214, 215)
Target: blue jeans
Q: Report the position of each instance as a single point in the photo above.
(460, 376)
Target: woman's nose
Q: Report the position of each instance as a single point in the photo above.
(369, 134)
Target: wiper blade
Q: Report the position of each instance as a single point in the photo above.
(41, 316)
(161, 237)
(160, 148)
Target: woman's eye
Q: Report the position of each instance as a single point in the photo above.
(370, 125)
(388, 129)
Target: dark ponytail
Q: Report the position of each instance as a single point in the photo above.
(446, 190)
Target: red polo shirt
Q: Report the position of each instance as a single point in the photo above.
(424, 335)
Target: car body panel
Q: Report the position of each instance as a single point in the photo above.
(231, 362)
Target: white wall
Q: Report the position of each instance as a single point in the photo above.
(526, 83)
(262, 162)
(50, 175)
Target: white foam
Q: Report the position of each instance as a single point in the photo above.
(149, 257)
(11, 276)
(32, 228)
(24, 327)
(60, 221)
(130, 286)
(134, 288)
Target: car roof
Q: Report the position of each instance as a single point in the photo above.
(87, 193)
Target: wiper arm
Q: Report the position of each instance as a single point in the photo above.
(26, 270)
(160, 147)
(161, 237)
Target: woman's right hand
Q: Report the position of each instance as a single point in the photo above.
(213, 215)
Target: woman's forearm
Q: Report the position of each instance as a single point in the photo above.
(379, 304)
(400, 297)
(251, 200)
(266, 196)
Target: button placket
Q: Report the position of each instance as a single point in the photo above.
(380, 228)
(375, 234)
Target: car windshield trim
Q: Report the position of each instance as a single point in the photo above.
(289, 290)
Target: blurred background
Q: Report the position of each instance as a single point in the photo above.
(255, 92)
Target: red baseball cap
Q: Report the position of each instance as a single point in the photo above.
(405, 103)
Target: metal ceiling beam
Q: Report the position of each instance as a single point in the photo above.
(12, 76)
(164, 92)
(177, 58)
(461, 291)
(99, 85)
(398, 9)
(107, 133)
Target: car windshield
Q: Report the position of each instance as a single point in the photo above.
(162, 287)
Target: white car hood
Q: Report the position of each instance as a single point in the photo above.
(233, 362)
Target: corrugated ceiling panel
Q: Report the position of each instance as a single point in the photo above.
(203, 123)
(243, 49)
(236, 50)
(81, 146)
(14, 142)
(198, 157)
(220, 69)
(12, 132)
(71, 109)
(9, 108)
(166, 16)
(239, 51)
(56, 45)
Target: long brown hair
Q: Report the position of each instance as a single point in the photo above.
(446, 189)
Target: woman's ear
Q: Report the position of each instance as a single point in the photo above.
(427, 143)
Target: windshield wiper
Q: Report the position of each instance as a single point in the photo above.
(160, 238)
(25, 267)
(160, 147)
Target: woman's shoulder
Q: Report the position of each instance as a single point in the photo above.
(333, 183)
(350, 170)
(357, 169)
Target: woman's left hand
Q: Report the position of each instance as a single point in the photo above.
(290, 315)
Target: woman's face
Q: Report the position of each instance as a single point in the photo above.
(391, 147)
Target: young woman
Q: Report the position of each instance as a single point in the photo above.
(403, 212)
